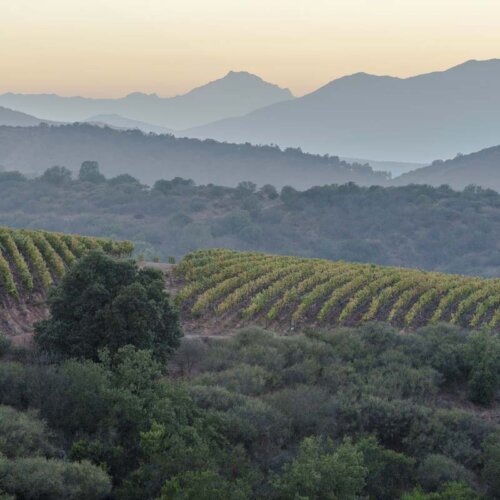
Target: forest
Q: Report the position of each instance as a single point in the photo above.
(150, 157)
(435, 229)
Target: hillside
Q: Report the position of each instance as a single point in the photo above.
(291, 293)
(147, 157)
(30, 262)
(413, 226)
(235, 94)
(13, 118)
(415, 119)
(120, 122)
(481, 168)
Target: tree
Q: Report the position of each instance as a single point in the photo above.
(436, 470)
(38, 477)
(246, 188)
(321, 472)
(107, 303)
(491, 470)
(56, 175)
(89, 172)
(23, 434)
(204, 485)
(483, 355)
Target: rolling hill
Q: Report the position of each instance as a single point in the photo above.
(415, 119)
(481, 168)
(235, 94)
(30, 262)
(153, 157)
(292, 293)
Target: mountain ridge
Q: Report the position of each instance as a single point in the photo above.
(414, 119)
(481, 168)
(235, 94)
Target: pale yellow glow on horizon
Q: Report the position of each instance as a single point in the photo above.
(113, 47)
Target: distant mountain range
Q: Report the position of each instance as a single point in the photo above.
(236, 94)
(404, 124)
(481, 168)
(415, 119)
(153, 157)
(120, 122)
(17, 119)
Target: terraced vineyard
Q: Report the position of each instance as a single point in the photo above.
(293, 291)
(31, 261)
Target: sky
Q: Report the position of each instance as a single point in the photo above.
(109, 48)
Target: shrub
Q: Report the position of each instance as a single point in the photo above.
(38, 477)
(436, 470)
(5, 345)
(320, 471)
(23, 434)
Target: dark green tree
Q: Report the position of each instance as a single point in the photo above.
(321, 472)
(89, 172)
(56, 175)
(484, 360)
(107, 303)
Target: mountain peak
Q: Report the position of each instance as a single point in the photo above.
(236, 81)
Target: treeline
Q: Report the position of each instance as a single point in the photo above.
(412, 226)
(150, 157)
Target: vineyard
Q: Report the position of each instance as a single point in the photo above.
(293, 291)
(31, 261)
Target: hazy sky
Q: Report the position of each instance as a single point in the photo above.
(113, 47)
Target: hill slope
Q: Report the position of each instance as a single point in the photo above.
(30, 261)
(150, 158)
(293, 292)
(414, 119)
(236, 94)
(120, 122)
(435, 229)
(13, 118)
(481, 168)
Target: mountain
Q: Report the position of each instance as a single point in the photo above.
(415, 119)
(481, 168)
(120, 122)
(17, 119)
(236, 94)
(153, 157)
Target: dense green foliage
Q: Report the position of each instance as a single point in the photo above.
(352, 413)
(106, 303)
(293, 291)
(413, 226)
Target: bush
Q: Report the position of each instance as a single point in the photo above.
(204, 485)
(5, 345)
(320, 471)
(13, 387)
(491, 459)
(436, 470)
(38, 477)
(483, 354)
(107, 303)
(23, 434)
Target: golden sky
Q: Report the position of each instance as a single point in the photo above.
(113, 47)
